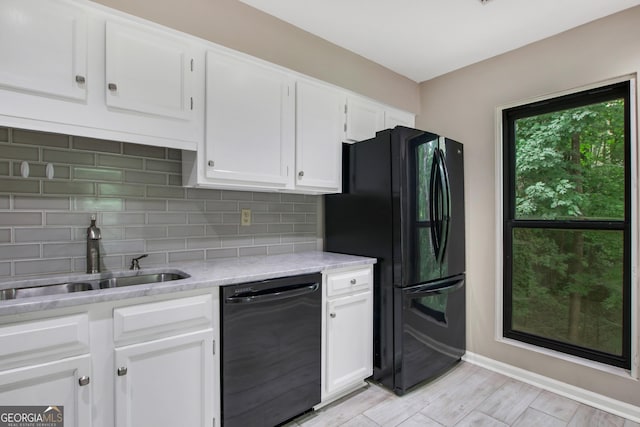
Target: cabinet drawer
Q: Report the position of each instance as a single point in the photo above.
(339, 283)
(153, 320)
(29, 343)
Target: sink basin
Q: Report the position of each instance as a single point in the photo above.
(119, 280)
(116, 282)
(36, 291)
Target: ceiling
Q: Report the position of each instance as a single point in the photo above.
(422, 39)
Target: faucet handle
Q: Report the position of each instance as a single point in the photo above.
(135, 262)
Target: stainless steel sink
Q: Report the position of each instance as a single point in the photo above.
(116, 281)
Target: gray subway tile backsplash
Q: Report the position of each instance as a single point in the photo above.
(97, 145)
(19, 185)
(9, 218)
(136, 193)
(40, 138)
(5, 235)
(42, 234)
(20, 153)
(42, 266)
(5, 269)
(145, 151)
(39, 202)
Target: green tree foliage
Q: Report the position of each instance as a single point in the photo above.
(567, 283)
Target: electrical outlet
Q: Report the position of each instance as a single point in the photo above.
(245, 217)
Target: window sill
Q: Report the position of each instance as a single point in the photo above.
(620, 372)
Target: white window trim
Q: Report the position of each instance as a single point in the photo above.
(635, 237)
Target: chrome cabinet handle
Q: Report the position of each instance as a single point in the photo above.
(112, 87)
(301, 174)
(353, 281)
(80, 79)
(122, 371)
(84, 380)
(211, 163)
(332, 315)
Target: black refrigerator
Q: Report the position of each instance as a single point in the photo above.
(403, 203)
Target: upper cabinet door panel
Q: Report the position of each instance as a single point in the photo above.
(147, 72)
(320, 122)
(364, 119)
(249, 122)
(393, 118)
(43, 46)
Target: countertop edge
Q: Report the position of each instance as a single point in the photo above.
(205, 274)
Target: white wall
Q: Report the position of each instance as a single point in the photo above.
(462, 105)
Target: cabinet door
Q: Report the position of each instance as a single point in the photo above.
(320, 119)
(364, 119)
(43, 45)
(349, 341)
(167, 382)
(55, 384)
(147, 72)
(249, 123)
(393, 118)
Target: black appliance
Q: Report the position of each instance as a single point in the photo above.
(271, 350)
(403, 203)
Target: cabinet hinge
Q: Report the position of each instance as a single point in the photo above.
(191, 102)
(214, 348)
(192, 65)
(345, 108)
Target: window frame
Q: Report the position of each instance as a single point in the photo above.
(509, 115)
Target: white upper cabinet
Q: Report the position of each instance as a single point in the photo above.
(43, 46)
(249, 123)
(393, 118)
(320, 118)
(148, 72)
(364, 119)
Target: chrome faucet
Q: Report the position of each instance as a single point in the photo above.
(135, 262)
(93, 247)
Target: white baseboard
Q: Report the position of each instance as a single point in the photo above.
(578, 394)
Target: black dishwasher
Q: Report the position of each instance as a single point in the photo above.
(270, 350)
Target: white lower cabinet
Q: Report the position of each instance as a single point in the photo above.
(146, 362)
(46, 362)
(348, 332)
(165, 382)
(64, 385)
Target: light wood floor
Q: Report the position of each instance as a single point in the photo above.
(466, 396)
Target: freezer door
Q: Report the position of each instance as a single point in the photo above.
(430, 331)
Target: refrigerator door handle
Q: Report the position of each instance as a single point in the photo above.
(440, 287)
(433, 211)
(446, 208)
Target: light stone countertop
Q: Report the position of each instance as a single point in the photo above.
(204, 274)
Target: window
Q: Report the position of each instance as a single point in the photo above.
(567, 224)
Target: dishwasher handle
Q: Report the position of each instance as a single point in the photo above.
(273, 294)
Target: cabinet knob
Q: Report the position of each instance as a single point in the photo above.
(301, 174)
(122, 371)
(80, 79)
(211, 163)
(84, 380)
(353, 281)
(332, 315)
(112, 87)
